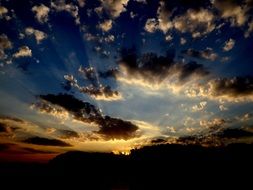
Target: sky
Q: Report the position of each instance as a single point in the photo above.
(113, 75)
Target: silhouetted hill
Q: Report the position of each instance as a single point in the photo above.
(160, 165)
(156, 166)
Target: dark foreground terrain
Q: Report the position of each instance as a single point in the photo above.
(154, 167)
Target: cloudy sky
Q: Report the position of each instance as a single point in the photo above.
(111, 75)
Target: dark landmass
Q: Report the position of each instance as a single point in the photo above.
(157, 165)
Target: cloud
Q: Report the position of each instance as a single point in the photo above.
(67, 134)
(151, 70)
(234, 11)
(61, 5)
(168, 38)
(23, 51)
(229, 45)
(245, 117)
(163, 16)
(114, 7)
(114, 128)
(223, 108)
(108, 39)
(179, 14)
(207, 54)
(88, 72)
(41, 13)
(151, 25)
(192, 68)
(101, 92)
(250, 30)
(141, 1)
(109, 73)
(77, 107)
(183, 41)
(98, 92)
(236, 133)
(106, 25)
(213, 124)
(46, 108)
(218, 137)
(12, 127)
(5, 44)
(3, 11)
(236, 89)
(99, 39)
(201, 22)
(109, 128)
(81, 3)
(39, 35)
(46, 142)
(201, 106)
(2, 128)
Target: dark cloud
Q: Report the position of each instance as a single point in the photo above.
(65, 134)
(149, 65)
(234, 87)
(192, 68)
(109, 73)
(99, 92)
(154, 68)
(35, 151)
(216, 137)
(11, 148)
(184, 4)
(2, 128)
(9, 124)
(46, 141)
(79, 108)
(207, 54)
(109, 128)
(158, 141)
(113, 128)
(235, 133)
(12, 118)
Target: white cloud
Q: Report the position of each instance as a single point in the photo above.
(168, 38)
(201, 106)
(164, 23)
(189, 121)
(229, 45)
(223, 108)
(109, 39)
(39, 35)
(81, 3)
(182, 41)
(151, 25)
(133, 15)
(201, 22)
(41, 13)
(61, 5)
(235, 13)
(23, 51)
(216, 122)
(3, 11)
(106, 25)
(114, 7)
(5, 43)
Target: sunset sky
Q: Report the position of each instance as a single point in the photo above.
(112, 75)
